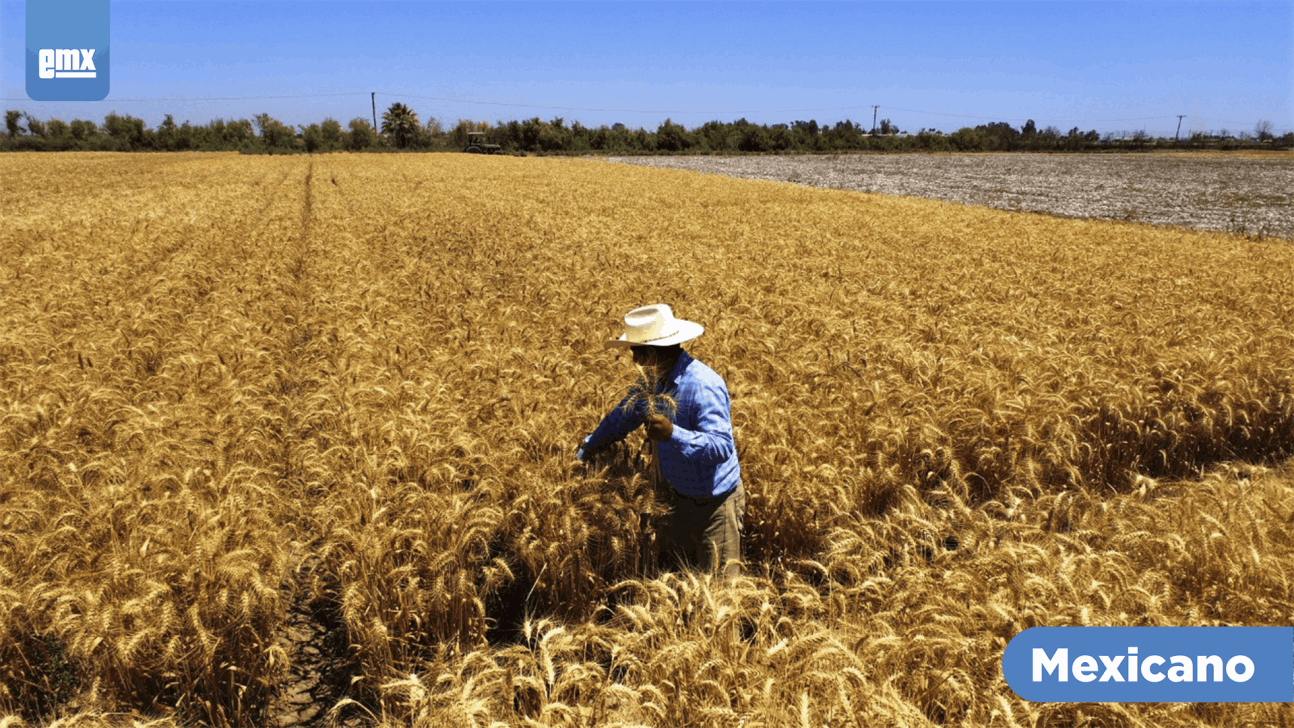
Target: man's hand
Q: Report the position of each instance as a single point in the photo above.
(659, 427)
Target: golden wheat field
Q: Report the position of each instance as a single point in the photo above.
(290, 441)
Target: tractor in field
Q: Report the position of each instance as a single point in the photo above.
(476, 144)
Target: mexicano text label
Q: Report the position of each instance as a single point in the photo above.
(1152, 664)
(1239, 668)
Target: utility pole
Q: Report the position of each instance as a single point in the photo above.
(374, 112)
(1178, 137)
(874, 108)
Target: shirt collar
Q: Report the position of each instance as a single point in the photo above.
(679, 367)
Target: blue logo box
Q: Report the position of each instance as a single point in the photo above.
(67, 50)
(1152, 664)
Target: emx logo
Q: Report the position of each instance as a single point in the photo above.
(67, 63)
(67, 50)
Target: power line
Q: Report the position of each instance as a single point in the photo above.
(782, 111)
(484, 103)
(208, 98)
(1221, 121)
(620, 111)
(999, 118)
(874, 107)
(470, 101)
(787, 111)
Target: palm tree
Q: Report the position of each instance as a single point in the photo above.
(401, 123)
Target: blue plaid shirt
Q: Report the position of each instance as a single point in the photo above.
(700, 458)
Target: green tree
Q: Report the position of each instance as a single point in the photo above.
(331, 133)
(186, 137)
(844, 135)
(999, 136)
(400, 124)
(1049, 138)
(167, 134)
(754, 138)
(313, 137)
(507, 136)
(126, 132)
(1073, 141)
(434, 132)
(34, 126)
(714, 135)
(671, 137)
(11, 119)
(809, 127)
(59, 129)
(361, 135)
(779, 138)
(83, 130)
(262, 121)
(274, 133)
(931, 141)
(555, 136)
(967, 139)
(580, 135)
(642, 141)
(214, 133)
(806, 135)
(530, 131)
(239, 132)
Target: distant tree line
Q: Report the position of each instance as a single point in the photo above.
(401, 130)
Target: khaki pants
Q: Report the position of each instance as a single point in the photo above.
(701, 532)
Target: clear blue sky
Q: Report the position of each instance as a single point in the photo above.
(1108, 66)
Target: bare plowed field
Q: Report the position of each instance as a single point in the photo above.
(1236, 192)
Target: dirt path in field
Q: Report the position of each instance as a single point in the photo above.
(318, 674)
(313, 638)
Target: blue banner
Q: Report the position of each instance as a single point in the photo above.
(67, 50)
(1151, 664)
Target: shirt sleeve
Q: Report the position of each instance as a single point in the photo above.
(615, 427)
(711, 442)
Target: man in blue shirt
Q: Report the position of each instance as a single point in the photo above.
(685, 410)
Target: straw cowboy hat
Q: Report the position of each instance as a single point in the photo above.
(655, 325)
